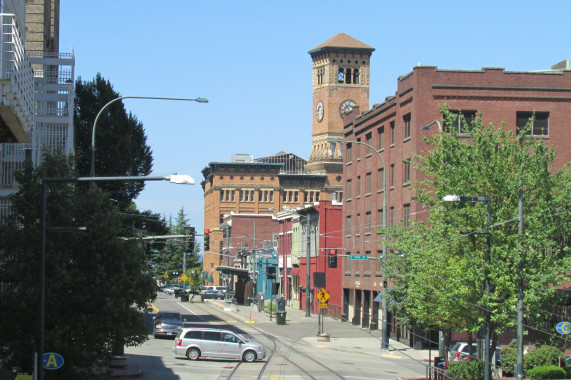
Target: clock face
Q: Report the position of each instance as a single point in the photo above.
(319, 111)
(346, 106)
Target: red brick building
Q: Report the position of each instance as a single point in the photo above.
(323, 220)
(393, 128)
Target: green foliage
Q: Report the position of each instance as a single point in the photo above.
(439, 273)
(466, 370)
(196, 279)
(542, 356)
(95, 285)
(547, 372)
(121, 143)
(509, 360)
(271, 307)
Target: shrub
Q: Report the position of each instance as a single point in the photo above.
(271, 307)
(509, 360)
(567, 370)
(466, 370)
(541, 356)
(547, 372)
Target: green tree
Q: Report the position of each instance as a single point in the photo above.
(120, 143)
(439, 273)
(96, 280)
(169, 259)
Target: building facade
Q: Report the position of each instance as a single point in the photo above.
(37, 90)
(393, 128)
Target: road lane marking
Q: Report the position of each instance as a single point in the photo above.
(178, 303)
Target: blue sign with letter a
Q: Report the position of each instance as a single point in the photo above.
(52, 360)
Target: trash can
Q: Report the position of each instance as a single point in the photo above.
(281, 318)
(184, 298)
(280, 305)
(177, 293)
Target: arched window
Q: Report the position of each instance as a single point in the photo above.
(341, 75)
(348, 77)
(356, 76)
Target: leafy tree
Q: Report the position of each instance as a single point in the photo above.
(96, 283)
(121, 143)
(169, 259)
(439, 273)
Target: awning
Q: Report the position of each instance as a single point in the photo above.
(240, 272)
(294, 271)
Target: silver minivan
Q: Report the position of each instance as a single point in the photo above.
(195, 342)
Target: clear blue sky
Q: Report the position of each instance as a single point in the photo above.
(249, 58)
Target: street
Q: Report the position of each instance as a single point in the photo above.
(292, 350)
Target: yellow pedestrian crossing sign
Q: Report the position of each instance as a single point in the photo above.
(184, 277)
(323, 296)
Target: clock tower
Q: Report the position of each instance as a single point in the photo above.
(340, 82)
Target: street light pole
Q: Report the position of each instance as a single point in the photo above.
(92, 169)
(488, 200)
(384, 305)
(179, 179)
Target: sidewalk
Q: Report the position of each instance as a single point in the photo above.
(343, 336)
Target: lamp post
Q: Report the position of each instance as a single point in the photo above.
(384, 306)
(179, 179)
(92, 170)
(426, 127)
(488, 199)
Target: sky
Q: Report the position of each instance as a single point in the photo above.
(250, 60)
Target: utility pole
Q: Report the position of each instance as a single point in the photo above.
(308, 272)
(519, 362)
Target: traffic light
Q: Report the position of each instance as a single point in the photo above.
(190, 232)
(332, 258)
(271, 273)
(206, 240)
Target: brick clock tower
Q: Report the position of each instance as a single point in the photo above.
(340, 83)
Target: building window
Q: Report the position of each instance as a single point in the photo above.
(341, 75)
(392, 215)
(392, 133)
(358, 148)
(348, 76)
(540, 125)
(368, 222)
(462, 123)
(381, 142)
(358, 225)
(380, 216)
(266, 195)
(358, 185)
(349, 184)
(356, 76)
(392, 175)
(349, 152)
(406, 171)
(311, 196)
(381, 179)
(338, 196)
(368, 183)
(406, 215)
(290, 196)
(247, 195)
(227, 195)
(406, 119)
(369, 139)
(348, 225)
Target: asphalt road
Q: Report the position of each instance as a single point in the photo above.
(292, 356)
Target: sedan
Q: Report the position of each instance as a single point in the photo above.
(212, 294)
(167, 323)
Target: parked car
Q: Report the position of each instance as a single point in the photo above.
(212, 294)
(210, 287)
(172, 288)
(167, 323)
(461, 350)
(196, 342)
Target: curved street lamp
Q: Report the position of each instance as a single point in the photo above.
(385, 325)
(92, 170)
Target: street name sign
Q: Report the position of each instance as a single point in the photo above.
(357, 257)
